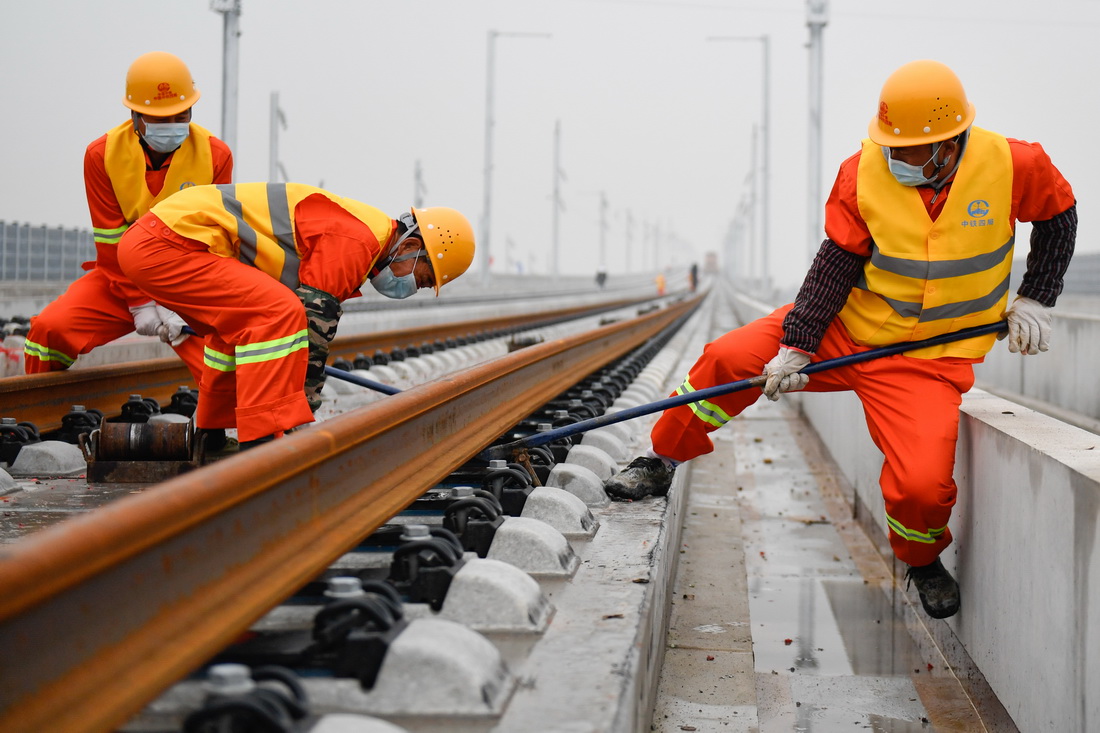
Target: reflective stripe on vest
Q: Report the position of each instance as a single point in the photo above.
(928, 278)
(708, 412)
(254, 222)
(280, 230)
(928, 538)
(124, 160)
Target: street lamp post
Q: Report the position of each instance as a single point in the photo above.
(765, 144)
(483, 245)
(277, 119)
(817, 15)
(231, 16)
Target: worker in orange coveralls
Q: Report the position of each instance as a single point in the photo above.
(920, 227)
(242, 264)
(155, 153)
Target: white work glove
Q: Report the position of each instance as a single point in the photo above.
(783, 373)
(146, 318)
(171, 327)
(1028, 326)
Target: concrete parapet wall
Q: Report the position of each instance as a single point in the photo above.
(1027, 537)
(1055, 377)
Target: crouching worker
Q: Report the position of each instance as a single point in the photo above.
(259, 271)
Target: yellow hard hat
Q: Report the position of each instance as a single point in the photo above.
(449, 239)
(921, 102)
(159, 84)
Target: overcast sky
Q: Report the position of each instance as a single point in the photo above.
(654, 117)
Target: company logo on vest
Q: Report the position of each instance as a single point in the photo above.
(977, 208)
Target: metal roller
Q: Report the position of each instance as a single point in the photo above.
(144, 442)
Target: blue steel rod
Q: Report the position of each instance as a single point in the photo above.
(506, 449)
(361, 381)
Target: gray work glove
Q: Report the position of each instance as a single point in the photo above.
(1028, 326)
(783, 373)
(146, 319)
(171, 327)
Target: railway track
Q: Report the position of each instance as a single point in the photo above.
(196, 561)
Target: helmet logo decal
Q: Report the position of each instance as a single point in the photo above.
(164, 91)
(883, 114)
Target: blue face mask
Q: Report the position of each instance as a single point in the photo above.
(911, 175)
(392, 286)
(164, 137)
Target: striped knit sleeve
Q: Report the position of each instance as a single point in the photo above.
(1052, 243)
(825, 289)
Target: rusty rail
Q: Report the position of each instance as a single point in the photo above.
(43, 399)
(101, 613)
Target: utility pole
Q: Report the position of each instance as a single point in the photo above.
(558, 204)
(765, 145)
(231, 32)
(817, 15)
(483, 244)
(277, 118)
(629, 237)
(419, 189)
(603, 231)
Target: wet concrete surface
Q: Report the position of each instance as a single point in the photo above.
(35, 504)
(783, 610)
(798, 596)
(825, 648)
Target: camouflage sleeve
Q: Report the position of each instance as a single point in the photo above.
(323, 313)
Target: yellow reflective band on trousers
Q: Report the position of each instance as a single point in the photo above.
(708, 412)
(218, 360)
(109, 236)
(41, 353)
(272, 350)
(928, 538)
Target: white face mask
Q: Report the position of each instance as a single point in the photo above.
(392, 286)
(912, 175)
(164, 137)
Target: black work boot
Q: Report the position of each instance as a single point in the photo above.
(249, 444)
(643, 477)
(939, 593)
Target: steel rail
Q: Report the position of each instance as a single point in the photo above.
(102, 612)
(43, 399)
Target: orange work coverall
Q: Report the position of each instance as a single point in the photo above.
(94, 309)
(254, 325)
(911, 405)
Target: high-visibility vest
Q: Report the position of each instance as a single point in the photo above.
(925, 278)
(124, 159)
(254, 222)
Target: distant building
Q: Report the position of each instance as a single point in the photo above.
(710, 263)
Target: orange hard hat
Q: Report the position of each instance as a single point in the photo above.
(449, 239)
(921, 102)
(159, 84)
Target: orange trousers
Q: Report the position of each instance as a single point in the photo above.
(911, 407)
(88, 314)
(237, 309)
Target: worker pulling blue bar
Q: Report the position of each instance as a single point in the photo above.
(507, 449)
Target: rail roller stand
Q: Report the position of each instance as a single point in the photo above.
(140, 452)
